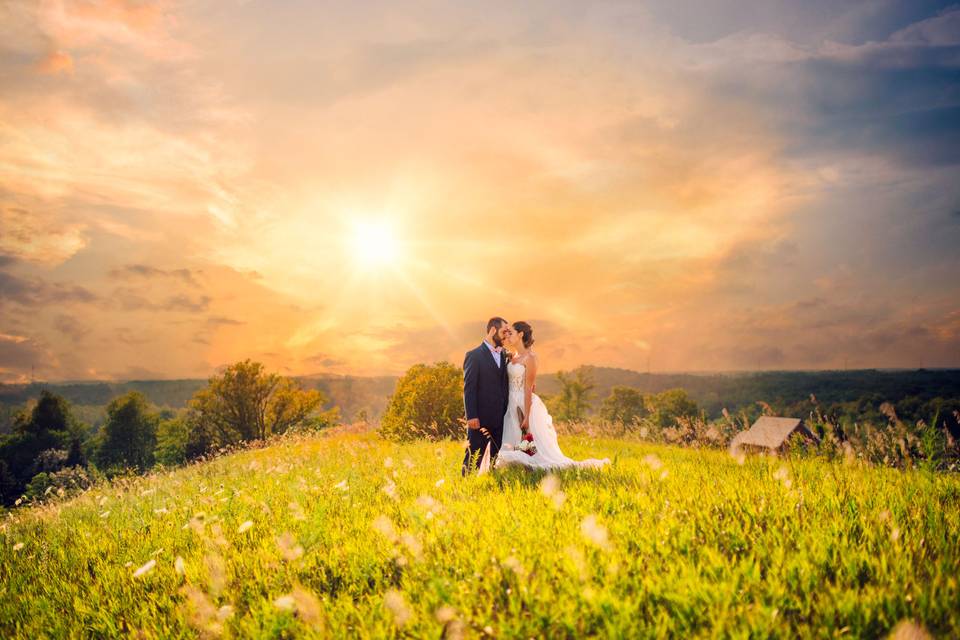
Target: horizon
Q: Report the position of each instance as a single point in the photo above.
(731, 372)
(662, 187)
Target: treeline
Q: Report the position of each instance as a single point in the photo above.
(428, 404)
(50, 450)
(918, 431)
(915, 395)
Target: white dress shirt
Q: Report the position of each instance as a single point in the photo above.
(494, 351)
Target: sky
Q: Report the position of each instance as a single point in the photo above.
(352, 188)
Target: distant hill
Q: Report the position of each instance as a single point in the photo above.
(352, 394)
(713, 392)
(716, 391)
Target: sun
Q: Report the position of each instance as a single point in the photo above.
(374, 244)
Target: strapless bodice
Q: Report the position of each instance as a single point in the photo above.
(515, 374)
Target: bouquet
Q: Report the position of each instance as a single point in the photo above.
(526, 441)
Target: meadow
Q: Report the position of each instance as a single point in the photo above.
(344, 534)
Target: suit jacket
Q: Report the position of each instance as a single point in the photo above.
(485, 387)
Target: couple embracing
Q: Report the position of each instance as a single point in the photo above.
(507, 423)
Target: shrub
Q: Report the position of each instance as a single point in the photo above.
(246, 403)
(624, 406)
(63, 483)
(427, 403)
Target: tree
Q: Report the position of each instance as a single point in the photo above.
(130, 432)
(172, 438)
(665, 407)
(245, 403)
(624, 405)
(48, 425)
(576, 392)
(427, 403)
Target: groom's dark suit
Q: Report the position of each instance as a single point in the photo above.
(485, 393)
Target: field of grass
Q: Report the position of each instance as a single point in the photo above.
(348, 535)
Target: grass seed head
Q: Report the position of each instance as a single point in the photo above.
(145, 569)
(395, 603)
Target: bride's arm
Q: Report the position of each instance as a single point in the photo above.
(529, 380)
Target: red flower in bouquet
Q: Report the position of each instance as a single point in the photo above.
(528, 436)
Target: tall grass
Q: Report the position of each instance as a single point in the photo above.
(349, 535)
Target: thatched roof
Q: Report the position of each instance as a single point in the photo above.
(770, 432)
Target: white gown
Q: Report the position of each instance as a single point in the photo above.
(548, 455)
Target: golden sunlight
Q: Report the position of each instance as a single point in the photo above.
(374, 244)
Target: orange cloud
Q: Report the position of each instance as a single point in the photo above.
(56, 62)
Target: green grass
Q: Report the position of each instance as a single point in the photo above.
(666, 542)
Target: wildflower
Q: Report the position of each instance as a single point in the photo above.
(105, 514)
(909, 630)
(18, 546)
(428, 503)
(783, 476)
(307, 606)
(179, 567)
(384, 525)
(296, 511)
(439, 483)
(445, 614)
(201, 613)
(390, 489)
(245, 526)
(652, 461)
(342, 485)
(289, 548)
(413, 544)
(287, 603)
(216, 573)
(594, 532)
(397, 606)
(388, 462)
(511, 562)
(549, 485)
(145, 569)
(453, 627)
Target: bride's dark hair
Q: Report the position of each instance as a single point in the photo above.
(526, 331)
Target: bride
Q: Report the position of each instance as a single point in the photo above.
(522, 373)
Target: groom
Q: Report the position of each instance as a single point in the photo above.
(485, 393)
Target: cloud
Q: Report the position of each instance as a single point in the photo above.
(18, 354)
(737, 184)
(129, 299)
(38, 293)
(148, 271)
(71, 326)
(35, 236)
(56, 62)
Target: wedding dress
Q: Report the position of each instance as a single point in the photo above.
(548, 455)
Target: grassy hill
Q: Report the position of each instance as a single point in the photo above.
(348, 535)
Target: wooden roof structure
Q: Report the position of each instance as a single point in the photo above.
(770, 432)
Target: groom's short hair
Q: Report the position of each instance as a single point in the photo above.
(496, 321)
